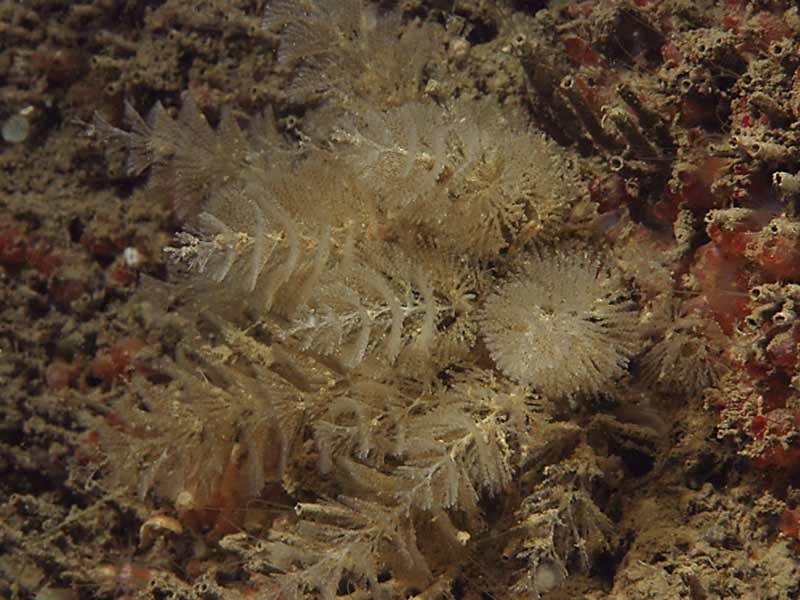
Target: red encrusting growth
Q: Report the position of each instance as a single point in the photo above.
(723, 285)
(789, 523)
(114, 362)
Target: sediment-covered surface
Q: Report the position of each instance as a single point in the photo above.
(472, 299)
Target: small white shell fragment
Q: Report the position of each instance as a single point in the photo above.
(158, 525)
(16, 129)
(132, 256)
(547, 577)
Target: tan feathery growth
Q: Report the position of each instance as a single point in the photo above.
(564, 324)
(338, 287)
(441, 171)
(338, 49)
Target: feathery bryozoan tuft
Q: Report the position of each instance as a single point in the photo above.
(342, 279)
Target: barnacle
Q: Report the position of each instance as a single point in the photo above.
(564, 323)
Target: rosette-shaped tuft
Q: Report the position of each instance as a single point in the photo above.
(565, 324)
(688, 358)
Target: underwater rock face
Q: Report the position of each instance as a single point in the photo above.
(511, 316)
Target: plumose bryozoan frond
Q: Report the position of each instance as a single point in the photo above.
(303, 241)
(338, 281)
(337, 49)
(441, 170)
